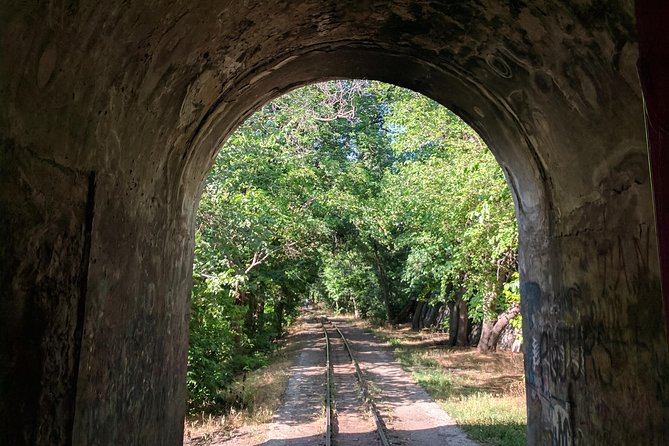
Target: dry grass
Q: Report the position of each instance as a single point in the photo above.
(260, 391)
(499, 373)
(485, 393)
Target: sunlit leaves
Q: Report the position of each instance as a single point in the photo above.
(359, 193)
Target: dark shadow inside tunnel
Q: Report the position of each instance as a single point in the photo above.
(114, 113)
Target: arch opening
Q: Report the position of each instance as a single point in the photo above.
(251, 272)
(558, 351)
(104, 156)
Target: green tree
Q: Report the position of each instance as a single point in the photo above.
(361, 194)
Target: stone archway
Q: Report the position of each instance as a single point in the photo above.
(114, 114)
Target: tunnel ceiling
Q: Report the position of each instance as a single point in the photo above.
(160, 73)
(112, 113)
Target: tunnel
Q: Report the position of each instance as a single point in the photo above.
(112, 115)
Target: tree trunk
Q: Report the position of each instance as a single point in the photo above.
(486, 332)
(452, 323)
(279, 317)
(463, 322)
(383, 280)
(444, 312)
(259, 319)
(433, 314)
(489, 342)
(458, 327)
(248, 299)
(423, 313)
(417, 316)
(406, 311)
(474, 333)
(489, 317)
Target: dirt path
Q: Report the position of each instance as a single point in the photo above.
(300, 421)
(411, 416)
(353, 424)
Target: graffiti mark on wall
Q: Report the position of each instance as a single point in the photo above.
(561, 426)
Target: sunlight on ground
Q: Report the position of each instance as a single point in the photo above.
(485, 393)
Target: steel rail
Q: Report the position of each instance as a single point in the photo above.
(371, 405)
(328, 390)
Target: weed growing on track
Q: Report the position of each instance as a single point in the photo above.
(485, 393)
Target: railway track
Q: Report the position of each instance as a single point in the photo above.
(329, 329)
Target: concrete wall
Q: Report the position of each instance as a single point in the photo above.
(112, 115)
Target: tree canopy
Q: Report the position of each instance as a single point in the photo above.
(360, 196)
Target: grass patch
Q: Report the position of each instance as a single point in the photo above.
(484, 393)
(498, 420)
(438, 384)
(395, 342)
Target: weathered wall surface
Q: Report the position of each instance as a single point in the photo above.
(113, 112)
(42, 293)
